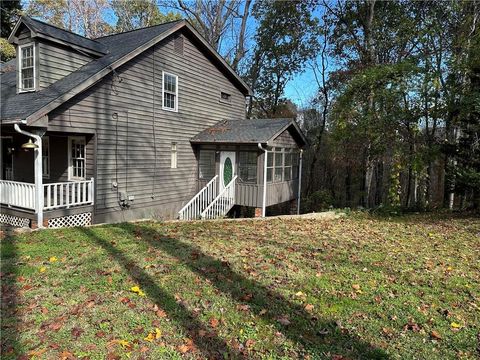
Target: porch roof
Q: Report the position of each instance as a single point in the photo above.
(249, 131)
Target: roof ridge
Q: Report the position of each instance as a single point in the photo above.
(59, 28)
(143, 28)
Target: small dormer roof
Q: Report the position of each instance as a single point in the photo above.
(52, 33)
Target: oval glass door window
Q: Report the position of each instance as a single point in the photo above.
(227, 171)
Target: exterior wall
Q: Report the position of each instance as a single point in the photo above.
(133, 134)
(57, 61)
(285, 139)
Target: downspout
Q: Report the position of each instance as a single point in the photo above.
(299, 182)
(38, 174)
(264, 201)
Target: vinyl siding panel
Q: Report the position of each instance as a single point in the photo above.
(56, 61)
(133, 133)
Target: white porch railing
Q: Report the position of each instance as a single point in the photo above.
(222, 203)
(67, 194)
(18, 194)
(193, 209)
(56, 195)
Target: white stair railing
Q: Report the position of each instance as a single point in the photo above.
(222, 203)
(67, 194)
(193, 209)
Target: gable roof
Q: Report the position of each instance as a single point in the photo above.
(122, 47)
(53, 33)
(249, 131)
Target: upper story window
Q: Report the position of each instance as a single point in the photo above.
(225, 97)
(169, 92)
(27, 67)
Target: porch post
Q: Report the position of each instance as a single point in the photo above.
(38, 174)
(299, 182)
(264, 197)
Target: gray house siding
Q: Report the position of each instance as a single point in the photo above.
(56, 61)
(134, 135)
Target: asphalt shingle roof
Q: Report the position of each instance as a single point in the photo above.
(15, 106)
(250, 131)
(67, 36)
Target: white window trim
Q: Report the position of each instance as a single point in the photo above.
(176, 92)
(70, 167)
(20, 82)
(46, 172)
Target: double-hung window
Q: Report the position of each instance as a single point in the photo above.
(247, 166)
(169, 92)
(77, 157)
(27, 68)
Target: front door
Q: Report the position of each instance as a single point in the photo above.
(227, 168)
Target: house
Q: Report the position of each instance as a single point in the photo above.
(148, 123)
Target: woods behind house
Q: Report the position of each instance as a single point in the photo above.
(394, 120)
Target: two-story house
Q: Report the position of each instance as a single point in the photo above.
(148, 123)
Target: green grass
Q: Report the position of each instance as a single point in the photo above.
(355, 287)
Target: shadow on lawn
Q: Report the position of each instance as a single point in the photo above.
(211, 346)
(10, 322)
(320, 336)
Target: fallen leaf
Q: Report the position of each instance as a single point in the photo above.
(213, 322)
(42, 269)
(455, 325)
(435, 335)
(137, 290)
(284, 320)
(76, 332)
(309, 307)
(356, 286)
(183, 348)
(53, 259)
(161, 313)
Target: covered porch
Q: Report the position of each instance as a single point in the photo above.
(47, 178)
(251, 163)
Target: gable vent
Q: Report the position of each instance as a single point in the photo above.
(178, 44)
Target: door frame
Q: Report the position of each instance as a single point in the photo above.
(223, 156)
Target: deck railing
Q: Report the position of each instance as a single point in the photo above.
(193, 209)
(68, 194)
(56, 195)
(18, 194)
(222, 203)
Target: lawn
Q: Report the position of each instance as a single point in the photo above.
(355, 287)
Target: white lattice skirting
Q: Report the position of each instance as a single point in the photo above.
(71, 220)
(14, 220)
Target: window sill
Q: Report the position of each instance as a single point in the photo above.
(168, 109)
